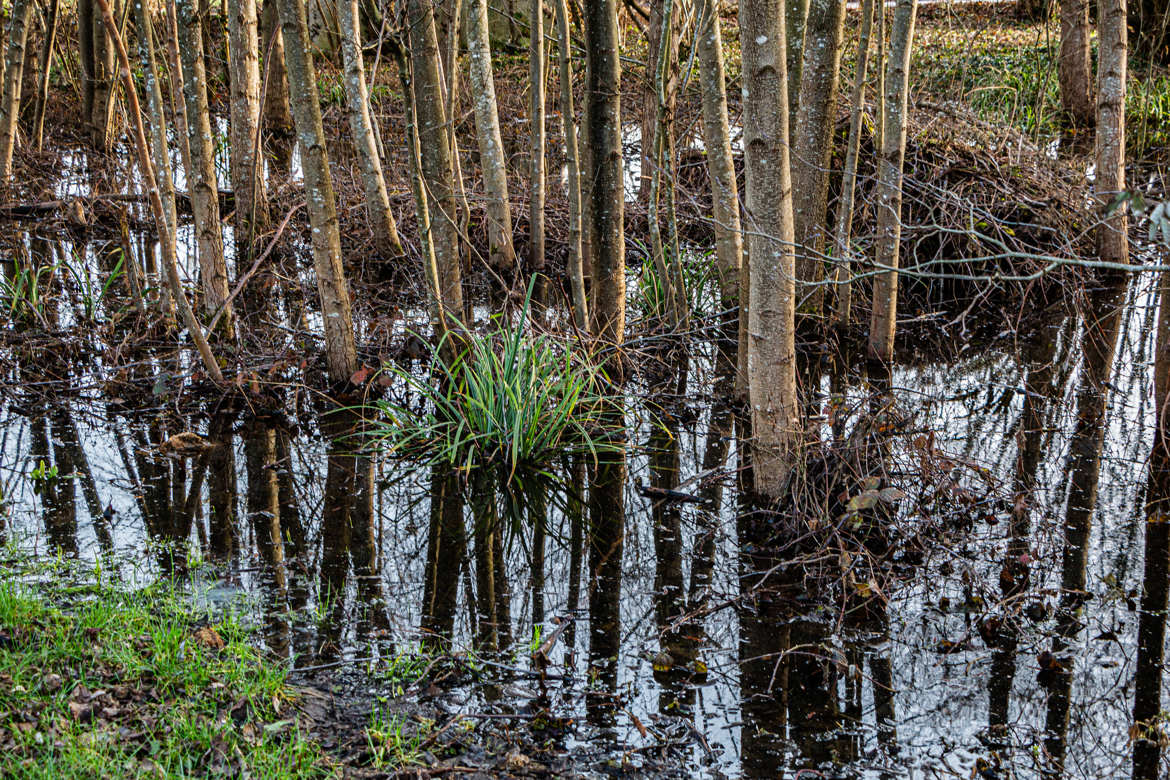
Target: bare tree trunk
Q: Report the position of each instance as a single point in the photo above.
(842, 234)
(795, 18)
(491, 147)
(573, 164)
(244, 65)
(201, 182)
(449, 77)
(277, 114)
(720, 166)
(85, 53)
(102, 119)
(813, 147)
(340, 350)
(771, 305)
(1075, 71)
(536, 172)
(435, 158)
(889, 184)
(165, 234)
(1112, 233)
(49, 44)
(606, 210)
(158, 115)
(178, 105)
(360, 124)
(654, 48)
(18, 25)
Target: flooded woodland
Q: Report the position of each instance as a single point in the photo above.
(553, 389)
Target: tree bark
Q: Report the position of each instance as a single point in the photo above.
(573, 165)
(795, 18)
(18, 25)
(842, 234)
(52, 22)
(361, 125)
(771, 306)
(435, 153)
(1075, 68)
(178, 105)
(889, 184)
(277, 113)
(160, 154)
(201, 181)
(340, 350)
(536, 149)
(491, 148)
(1109, 185)
(720, 165)
(244, 64)
(606, 210)
(102, 118)
(813, 147)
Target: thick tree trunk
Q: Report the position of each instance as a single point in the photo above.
(606, 210)
(771, 306)
(361, 125)
(1112, 233)
(1075, 70)
(248, 184)
(18, 25)
(573, 165)
(277, 113)
(165, 234)
(813, 147)
(842, 233)
(201, 182)
(435, 153)
(340, 350)
(889, 184)
(487, 128)
(720, 165)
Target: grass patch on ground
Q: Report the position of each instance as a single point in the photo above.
(98, 680)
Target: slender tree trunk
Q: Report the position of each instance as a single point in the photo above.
(1075, 71)
(166, 236)
(536, 172)
(102, 119)
(795, 18)
(655, 45)
(85, 53)
(340, 350)
(889, 184)
(361, 125)
(160, 154)
(813, 147)
(771, 307)
(178, 105)
(18, 25)
(842, 234)
(449, 78)
(606, 209)
(1112, 233)
(720, 165)
(573, 165)
(201, 181)
(491, 148)
(52, 21)
(277, 114)
(435, 153)
(244, 65)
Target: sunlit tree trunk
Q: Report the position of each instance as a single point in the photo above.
(771, 305)
(18, 25)
(1075, 70)
(201, 181)
(165, 234)
(889, 184)
(573, 165)
(655, 45)
(813, 147)
(340, 350)
(536, 148)
(277, 114)
(247, 182)
(487, 127)
(720, 165)
(361, 125)
(435, 156)
(1112, 237)
(605, 212)
(843, 231)
(48, 45)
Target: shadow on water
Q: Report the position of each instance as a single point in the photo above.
(954, 597)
